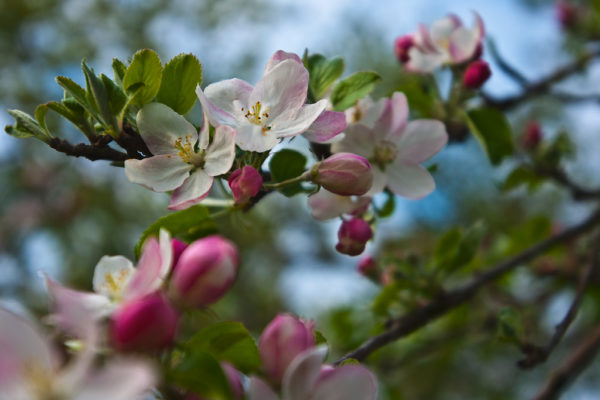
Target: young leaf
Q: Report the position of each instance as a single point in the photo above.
(179, 80)
(119, 70)
(74, 113)
(78, 94)
(200, 373)
(287, 164)
(492, 129)
(116, 97)
(145, 68)
(522, 176)
(26, 127)
(98, 96)
(355, 87)
(323, 73)
(510, 327)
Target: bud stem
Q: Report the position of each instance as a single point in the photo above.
(304, 177)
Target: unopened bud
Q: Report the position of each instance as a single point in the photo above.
(402, 45)
(532, 136)
(245, 183)
(353, 236)
(477, 73)
(205, 271)
(567, 14)
(345, 174)
(145, 324)
(282, 340)
(178, 246)
(367, 267)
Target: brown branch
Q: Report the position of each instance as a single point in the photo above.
(445, 302)
(536, 354)
(578, 192)
(91, 152)
(508, 69)
(562, 377)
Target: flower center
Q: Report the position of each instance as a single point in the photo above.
(115, 282)
(257, 115)
(385, 153)
(185, 148)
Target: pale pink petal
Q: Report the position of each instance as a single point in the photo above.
(409, 180)
(252, 137)
(380, 180)
(423, 62)
(216, 115)
(325, 205)
(229, 95)
(302, 374)
(479, 28)
(221, 152)
(421, 140)
(286, 125)
(259, 390)
(194, 189)
(280, 56)
(443, 28)
(328, 125)
(111, 275)
(159, 173)
(346, 382)
(366, 111)
(358, 139)
(204, 134)
(160, 127)
(424, 40)
(462, 44)
(282, 89)
(392, 120)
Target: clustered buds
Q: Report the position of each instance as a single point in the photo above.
(402, 45)
(345, 174)
(476, 74)
(245, 183)
(353, 236)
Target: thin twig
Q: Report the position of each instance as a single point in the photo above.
(420, 317)
(508, 69)
(91, 152)
(578, 192)
(562, 377)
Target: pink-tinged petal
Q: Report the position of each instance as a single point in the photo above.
(409, 180)
(479, 28)
(423, 62)
(229, 95)
(216, 115)
(392, 120)
(325, 205)
(328, 125)
(204, 134)
(153, 267)
(462, 44)
(221, 152)
(443, 28)
(421, 140)
(358, 139)
(282, 89)
(259, 390)
(111, 275)
(160, 127)
(119, 379)
(159, 173)
(280, 56)
(366, 111)
(380, 180)
(251, 137)
(346, 382)
(302, 374)
(194, 189)
(290, 125)
(424, 40)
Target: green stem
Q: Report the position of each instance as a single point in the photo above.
(305, 176)
(220, 203)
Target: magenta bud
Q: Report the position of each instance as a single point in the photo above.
(245, 183)
(205, 271)
(145, 324)
(476, 74)
(282, 340)
(402, 45)
(567, 14)
(533, 135)
(367, 267)
(178, 246)
(353, 236)
(345, 174)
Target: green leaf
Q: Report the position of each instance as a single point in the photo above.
(510, 327)
(522, 176)
(420, 95)
(179, 80)
(74, 113)
(456, 249)
(193, 222)
(228, 341)
(116, 96)
(40, 116)
(77, 93)
(145, 68)
(355, 87)
(287, 164)
(26, 127)
(389, 206)
(200, 373)
(119, 70)
(319, 338)
(323, 73)
(492, 129)
(98, 96)
(388, 296)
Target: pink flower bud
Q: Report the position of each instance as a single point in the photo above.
(245, 183)
(205, 271)
(144, 324)
(532, 136)
(567, 14)
(353, 236)
(401, 47)
(476, 74)
(345, 174)
(281, 341)
(178, 247)
(368, 267)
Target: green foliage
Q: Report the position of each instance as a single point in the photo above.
(522, 176)
(116, 96)
(97, 97)
(191, 223)
(78, 94)
(323, 72)
(388, 207)
(492, 129)
(319, 338)
(560, 148)
(119, 70)
(180, 77)
(421, 96)
(200, 373)
(26, 127)
(355, 87)
(510, 327)
(456, 248)
(145, 69)
(227, 341)
(388, 297)
(287, 164)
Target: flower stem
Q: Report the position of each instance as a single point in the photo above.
(220, 203)
(305, 176)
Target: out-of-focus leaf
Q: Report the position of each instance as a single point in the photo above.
(492, 129)
(200, 373)
(510, 327)
(179, 80)
(355, 87)
(323, 72)
(522, 176)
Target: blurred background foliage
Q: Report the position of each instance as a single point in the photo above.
(60, 215)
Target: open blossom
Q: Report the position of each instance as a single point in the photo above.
(446, 42)
(31, 369)
(183, 161)
(395, 147)
(307, 378)
(273, 109)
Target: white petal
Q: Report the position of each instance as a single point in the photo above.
(302, 373)
(285, 125)
(229, 95)
(442, 28)
(159, 173)
(421, 140)
(216, 115)
(259, 390)
(462, 45)
(280, 56)
(380, 180)
(409, 180)
(204, 133)
(194, 189)
(326, 205)
(346, 382)
(111, 275)
(420, 61)
(251, 137)
(160, 127)
(392, 120)
(221, 152)
(358, 139)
